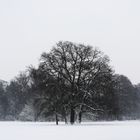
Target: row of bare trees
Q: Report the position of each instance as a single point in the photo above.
(72, 81)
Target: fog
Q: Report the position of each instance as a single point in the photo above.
(29, 27)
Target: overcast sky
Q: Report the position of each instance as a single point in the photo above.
(29, 27)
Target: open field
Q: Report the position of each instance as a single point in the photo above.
(128, 130)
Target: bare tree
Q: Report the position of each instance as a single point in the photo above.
(77, 66)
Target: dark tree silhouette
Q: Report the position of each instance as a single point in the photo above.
(17, 94)
(77, 66)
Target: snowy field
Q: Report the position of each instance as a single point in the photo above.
(86, 131)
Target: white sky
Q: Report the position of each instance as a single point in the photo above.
(29, 27)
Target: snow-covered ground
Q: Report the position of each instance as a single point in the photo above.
(128, 130)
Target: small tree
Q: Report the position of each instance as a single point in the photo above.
(4, 105)
(17, 94)
(126, 97)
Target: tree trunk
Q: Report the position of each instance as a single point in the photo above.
(72, 115)
(80, 117)
(56, 119)
(65, 118)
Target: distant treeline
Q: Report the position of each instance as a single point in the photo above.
(72, 83)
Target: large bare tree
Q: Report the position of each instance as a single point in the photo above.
(77, 65)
